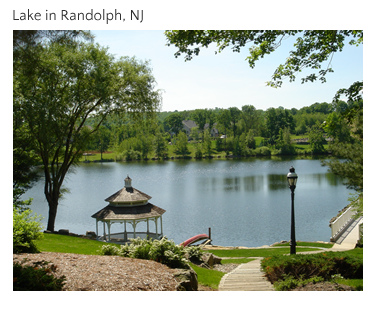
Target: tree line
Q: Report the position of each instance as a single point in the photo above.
(139, 138)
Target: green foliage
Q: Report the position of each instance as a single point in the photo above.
(74, 81)
(289, 283)
(312, 265)
(26, 230)
(311, 49)
(160, 146)
(109, 250)
(37, 277)
(194, 253)
(316, 139)
(164, 251)
(263, 151)
(181, 144)
(198, 151)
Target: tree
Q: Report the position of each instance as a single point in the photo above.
(173, 122)
(234, 116)
(181, 144)
(207, 145)
(277, 119)
(316, 139)
(199, 117)
(347, 149)
(101, 140)
(26, 46)
(312, 49)
(71, 82)
(160, 146)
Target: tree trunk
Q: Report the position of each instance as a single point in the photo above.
(52, 196)
(52, 215)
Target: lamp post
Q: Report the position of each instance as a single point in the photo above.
(292, 180)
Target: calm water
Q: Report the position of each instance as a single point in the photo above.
(245, 202)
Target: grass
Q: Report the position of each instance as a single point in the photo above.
(68, 244)
(208, 277)
(258, 252)
(308, 244)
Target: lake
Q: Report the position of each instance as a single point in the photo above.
(245, 202)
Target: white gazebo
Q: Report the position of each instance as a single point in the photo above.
(129, 206)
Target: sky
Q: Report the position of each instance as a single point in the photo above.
(226, 80)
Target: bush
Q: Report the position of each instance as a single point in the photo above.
(164, 251)
(312, 265)
(194, 253)
(26, 229)
(109, 250)
(289, 283)
(263, 151)
(38, 277)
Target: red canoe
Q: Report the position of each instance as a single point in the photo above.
(194, 239)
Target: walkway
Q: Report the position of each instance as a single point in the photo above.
(349, 238)
(249, 277)
(246, 277)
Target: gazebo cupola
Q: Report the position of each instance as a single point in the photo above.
(129, 206)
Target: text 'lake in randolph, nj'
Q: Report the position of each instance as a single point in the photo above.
(245, 202)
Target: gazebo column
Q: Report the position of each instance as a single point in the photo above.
(156, 226)
(104, 230)
(148, 231)
(97, 234)
(109, 230)
(134, 225)
(125, 233)
(161, 225)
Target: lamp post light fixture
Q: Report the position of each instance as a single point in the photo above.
(292, 180)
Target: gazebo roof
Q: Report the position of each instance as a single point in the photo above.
(128, 204)
(127, 195)
(129, 213)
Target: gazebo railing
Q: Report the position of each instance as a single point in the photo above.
(118, 237)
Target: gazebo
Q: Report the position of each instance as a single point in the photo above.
(129, 205)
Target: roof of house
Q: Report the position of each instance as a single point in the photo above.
(129, 213)
(189, 124)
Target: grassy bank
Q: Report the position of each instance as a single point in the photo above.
(207, 277)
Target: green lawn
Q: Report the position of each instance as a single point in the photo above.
(258, 252)
(68, 244)
(304, 244)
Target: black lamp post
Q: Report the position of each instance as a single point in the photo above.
(292, 180)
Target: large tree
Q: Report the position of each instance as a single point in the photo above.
(26, 46)
(69, 83)
(311, 50)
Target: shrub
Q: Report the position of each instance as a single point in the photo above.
(263, 151)
(312, 265)
(109, 250)
(26, 229)
(168, 253)
(36, 277)
(164, 251)
(194, 253)
(289, 283)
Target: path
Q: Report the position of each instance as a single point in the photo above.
(349, 238)
(246, 277)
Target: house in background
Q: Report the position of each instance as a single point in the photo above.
(187, 125)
